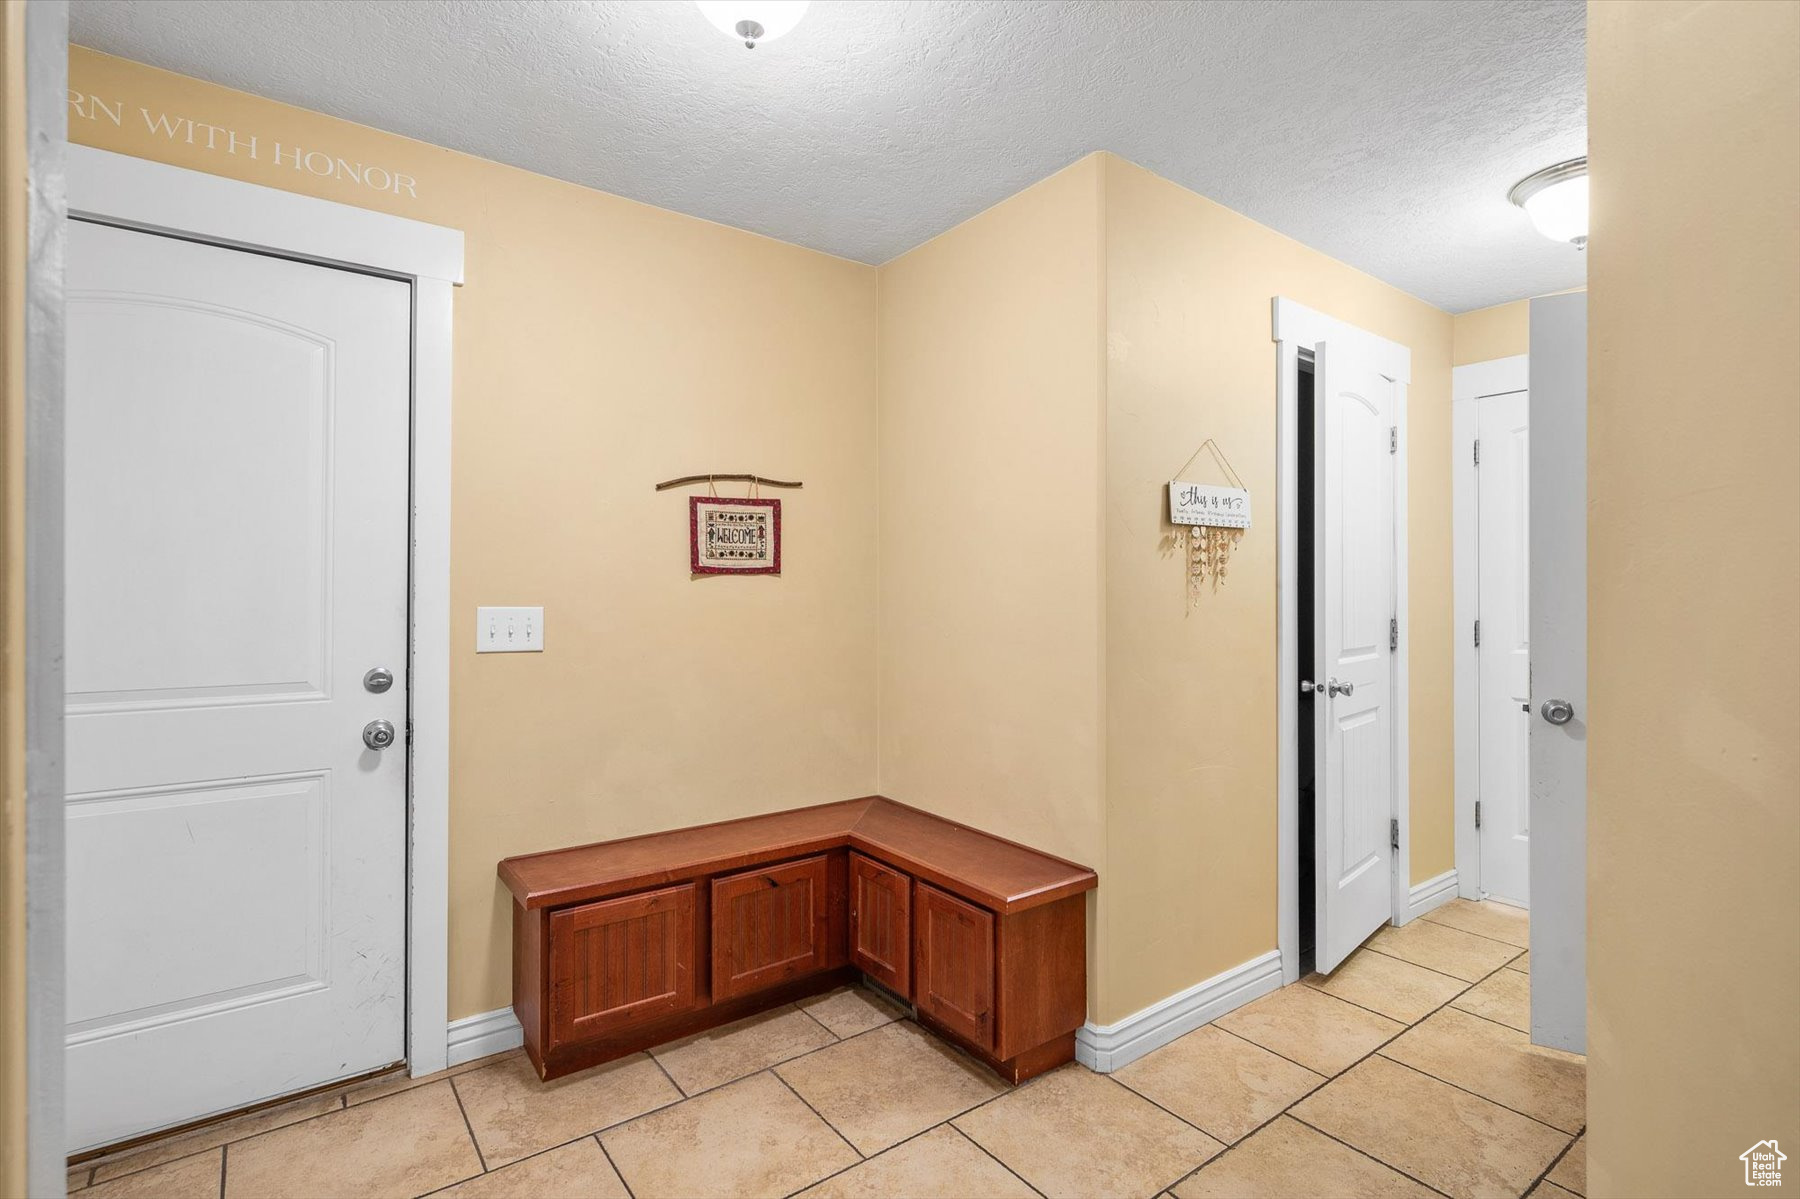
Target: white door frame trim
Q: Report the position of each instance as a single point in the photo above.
(1468, 384)
(1297, 327)
(135, 193)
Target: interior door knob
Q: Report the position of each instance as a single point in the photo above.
(1558, 711)
(1336, 688)
(378, 734)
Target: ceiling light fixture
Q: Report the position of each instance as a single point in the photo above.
(754, 20)
(1556, 200)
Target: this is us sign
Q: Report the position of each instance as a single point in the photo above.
(1204, 504)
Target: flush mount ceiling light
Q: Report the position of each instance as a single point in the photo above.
(754, 20)
(1556, 200)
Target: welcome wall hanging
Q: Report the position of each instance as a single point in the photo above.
(729, 535)
(1209, 521)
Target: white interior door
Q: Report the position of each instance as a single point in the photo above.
(1559, 648)
(1353, 585)
(1503, 485)
(237, 560)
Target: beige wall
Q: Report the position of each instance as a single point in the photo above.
(1191, 817)
(602, 345)
(1694, 607)
(1041, 673)
(990, 520)
(12, 594)
(1488, 333)
(1484, 334)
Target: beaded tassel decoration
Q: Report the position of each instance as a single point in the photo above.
(1209, 556)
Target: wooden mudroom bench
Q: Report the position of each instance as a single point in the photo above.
(622, 945)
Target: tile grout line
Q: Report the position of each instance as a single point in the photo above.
(1224, 1144)
(860, 1155)
(473, 1139)
(535, 1153)
(1483, 936)
(505, 1054)
(679, 1089)
(617, 1173)
(1556, 1161)
(784, 1061)
(1426, 1073)
(1327, 1080)
(796, 1006)
(1284, 1057)
(1384, 1015)
(902, 1141)
(1394, 957)
(1503, 1024)
(1405, 1027)
(950, 1122)
(955, 1131)
(1477, 1094)
(1352, 1148)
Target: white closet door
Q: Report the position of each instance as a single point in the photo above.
(1354, 602)
(1504, 483)
(237, 560)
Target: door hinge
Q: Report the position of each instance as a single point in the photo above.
(1393, 632)
(1478, 451)
(1393, 439)
(1478, 813)
(1394, 833)
(1478, 634)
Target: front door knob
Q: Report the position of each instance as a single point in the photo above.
(378, 734)
(1558, 711)
(1336, 688)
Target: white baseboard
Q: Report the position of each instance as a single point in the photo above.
(1104, 1050)
(1432, 893)
(479, 1036)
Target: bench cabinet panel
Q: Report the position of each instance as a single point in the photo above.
(954, 963)
(881, 923)
(621, 962)
(769, 926)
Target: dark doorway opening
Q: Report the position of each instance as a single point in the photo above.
(1305, 659)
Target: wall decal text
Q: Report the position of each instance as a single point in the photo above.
(271, 154)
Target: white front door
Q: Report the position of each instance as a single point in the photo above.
(1353, 585)
(237, 560)
(1503, 486)
(1559, 648)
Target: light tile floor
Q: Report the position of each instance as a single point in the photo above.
(1408, 1072)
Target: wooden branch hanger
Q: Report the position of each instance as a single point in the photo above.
(758, 479)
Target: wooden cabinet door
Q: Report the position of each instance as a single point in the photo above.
(954, 960)
(621, 962)
(768, 926)
(881, 923)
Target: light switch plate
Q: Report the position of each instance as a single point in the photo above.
(509, 630)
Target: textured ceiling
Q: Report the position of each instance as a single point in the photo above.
(1384, 134)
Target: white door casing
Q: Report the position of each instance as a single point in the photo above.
(236, 560)
(1559, 648)
(1503, 505)
(135, 193)
(1353, 604)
